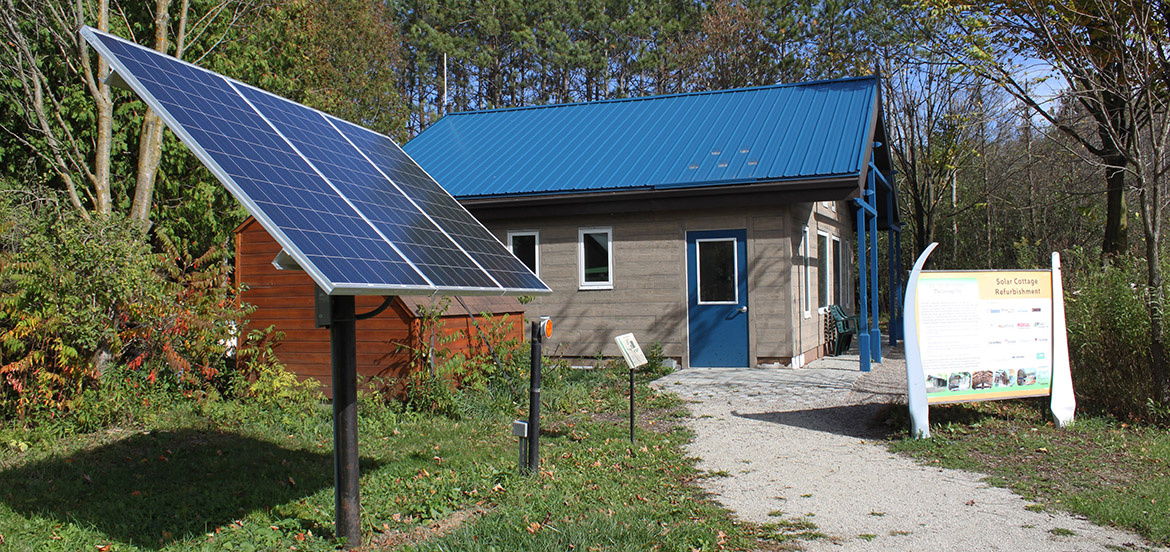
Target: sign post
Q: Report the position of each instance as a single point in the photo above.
(634, 358)
(982, 335)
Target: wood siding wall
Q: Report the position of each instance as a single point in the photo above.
(650, 290)
(284, 299)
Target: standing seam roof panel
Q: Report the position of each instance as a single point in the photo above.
(792, 131)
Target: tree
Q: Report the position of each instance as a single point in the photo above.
(66, 108)
(935, 116)
(1113, 57)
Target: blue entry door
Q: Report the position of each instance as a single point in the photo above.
(717, 301)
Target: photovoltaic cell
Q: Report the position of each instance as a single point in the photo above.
(389, 211)
(443, 209)
(355, 226)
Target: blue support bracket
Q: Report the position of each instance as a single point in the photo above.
(865, 207)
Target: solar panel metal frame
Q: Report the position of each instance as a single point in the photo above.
(94, 38)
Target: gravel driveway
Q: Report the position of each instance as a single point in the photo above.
(795, 445)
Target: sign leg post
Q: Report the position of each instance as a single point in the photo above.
(631, 405)
(915, 376)
(347, 504)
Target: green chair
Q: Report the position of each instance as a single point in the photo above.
(845, 327)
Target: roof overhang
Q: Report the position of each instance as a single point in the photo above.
(774, 193)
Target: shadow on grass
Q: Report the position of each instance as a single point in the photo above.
(851, 421)
(151, 489)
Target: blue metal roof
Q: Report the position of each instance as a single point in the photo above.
(764, 134)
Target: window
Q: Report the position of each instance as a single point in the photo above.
(839, 291)
(595, 257)
(824, 293)
(806, 301)
(717, 266)
(525, 245)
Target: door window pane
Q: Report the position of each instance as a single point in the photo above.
(717, 278)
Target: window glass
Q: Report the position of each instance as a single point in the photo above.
(717, 271)
(523, 245)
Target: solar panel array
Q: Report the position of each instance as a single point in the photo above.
(346, 203)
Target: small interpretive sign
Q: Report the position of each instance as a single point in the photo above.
(630, 350)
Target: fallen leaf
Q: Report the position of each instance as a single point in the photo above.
(103, 547)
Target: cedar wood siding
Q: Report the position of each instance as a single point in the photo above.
(649, 294)
(285, 299)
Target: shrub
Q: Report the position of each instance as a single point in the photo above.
(1108, 331)
(78, 297)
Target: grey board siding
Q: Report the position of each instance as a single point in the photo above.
(649, 280)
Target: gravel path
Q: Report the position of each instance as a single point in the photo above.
(798, 442)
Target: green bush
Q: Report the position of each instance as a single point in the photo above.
(79, 297)
(1108, 334)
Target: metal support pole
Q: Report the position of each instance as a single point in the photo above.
(347, 502)
(631, 405)
(534, 402)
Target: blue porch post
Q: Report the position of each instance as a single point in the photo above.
(875, 331)
(863, 305)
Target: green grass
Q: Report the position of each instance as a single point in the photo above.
(213, 474)
(1111, 472)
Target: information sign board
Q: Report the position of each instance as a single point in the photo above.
(985, 335)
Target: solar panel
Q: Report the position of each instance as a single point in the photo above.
(346, 203)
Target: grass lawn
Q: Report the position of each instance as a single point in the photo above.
(203, 474)
(1113, 473)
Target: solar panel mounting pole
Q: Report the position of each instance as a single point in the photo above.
(347, 502)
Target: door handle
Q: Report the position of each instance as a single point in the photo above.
(742, 309)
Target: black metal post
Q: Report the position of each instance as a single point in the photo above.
(534, 402)
(347, 502)
(631, 405)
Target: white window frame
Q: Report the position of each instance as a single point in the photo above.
(807, 299)
(699, 273)
(534, 234)
(608, 231)
(839, 271)
(823, 271)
